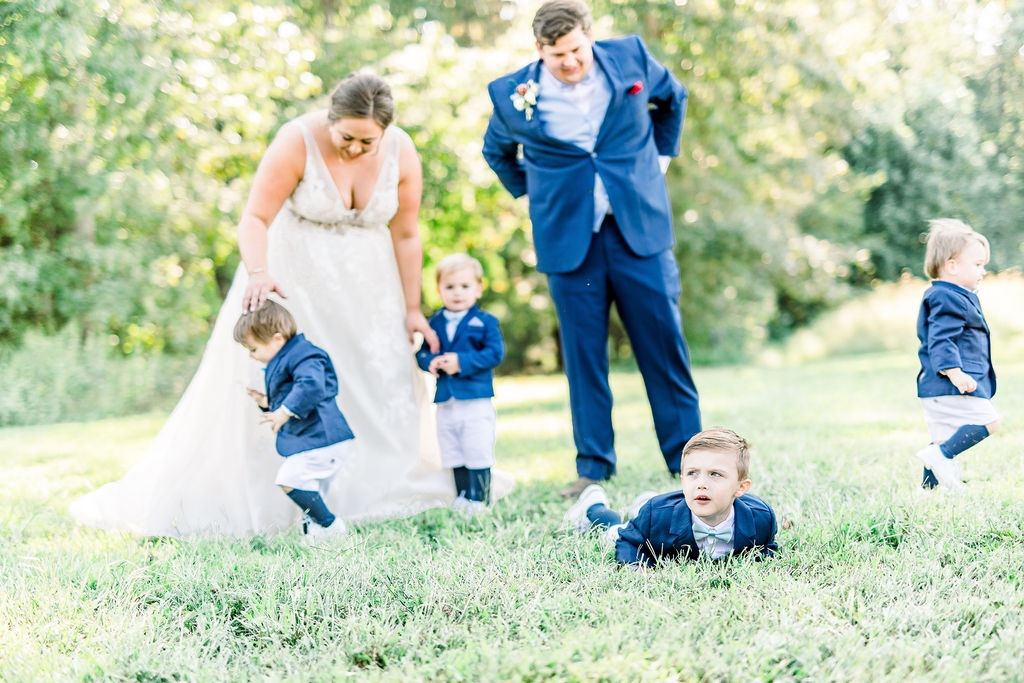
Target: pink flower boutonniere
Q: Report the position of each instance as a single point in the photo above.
(524, 98)
(635, 88)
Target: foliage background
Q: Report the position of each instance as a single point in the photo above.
(820, 136)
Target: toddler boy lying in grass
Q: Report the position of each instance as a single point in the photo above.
(713, 514)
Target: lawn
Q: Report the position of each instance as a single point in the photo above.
(876, 580)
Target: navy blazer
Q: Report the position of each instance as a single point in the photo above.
(664, 530)
(301, 377)
(643, 120)
(480, 348)
(953, 334)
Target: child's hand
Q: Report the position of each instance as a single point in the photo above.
(259, 397)
(275, 419)
(450, 363)
(961, 380)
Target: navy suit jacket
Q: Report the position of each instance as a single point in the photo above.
(301, 377)
(643, 120)
(480, 348)
(664, 530)
(953, 334)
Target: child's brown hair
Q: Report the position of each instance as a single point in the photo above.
(262, 324)
(721, 440)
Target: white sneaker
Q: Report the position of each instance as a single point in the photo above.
(321, 535)
(639, 502)
(576, 516)
(459, 504)
(945, 469)
(468, 507)
(473, 508)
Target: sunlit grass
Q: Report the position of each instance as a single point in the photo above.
(875, 581)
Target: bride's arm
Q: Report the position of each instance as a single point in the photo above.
(279, 172)
(405, 234)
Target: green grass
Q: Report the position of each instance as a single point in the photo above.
(873, 582)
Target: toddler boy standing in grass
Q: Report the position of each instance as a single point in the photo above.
(471, 346)
(301, 406)
(956, 381)
(712, 515)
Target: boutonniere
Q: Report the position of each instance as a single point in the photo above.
(524, 98)
(635, 88)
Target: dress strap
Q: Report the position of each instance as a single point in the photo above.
(395, 143)
(307, 135)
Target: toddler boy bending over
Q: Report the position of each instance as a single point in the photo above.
(301, 407)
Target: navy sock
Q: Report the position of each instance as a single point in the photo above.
(602, 517)
(313, 505)
(461, 475)
(964, 438)
(479, 484)
(928, 481)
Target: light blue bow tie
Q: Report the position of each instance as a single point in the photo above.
(702, 531)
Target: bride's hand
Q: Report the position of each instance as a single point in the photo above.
(415, 322)
(260, 285)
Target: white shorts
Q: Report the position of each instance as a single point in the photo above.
(946, 414)
(313, 470)
(465, 431)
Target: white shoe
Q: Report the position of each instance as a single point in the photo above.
(321, 535)
(945, 469)
(576, 516)
(473, 508)
(468, 507)
(610, 536)
(639, 502)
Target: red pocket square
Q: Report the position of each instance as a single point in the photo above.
(635, 88)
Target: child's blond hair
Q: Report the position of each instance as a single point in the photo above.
(262, 324)
(947, 237)
(721, 440)
(455, 262)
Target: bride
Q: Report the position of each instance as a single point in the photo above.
(330, 227)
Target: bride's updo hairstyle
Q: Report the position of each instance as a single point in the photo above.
(362, 96)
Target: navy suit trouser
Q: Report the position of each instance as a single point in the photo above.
(645, 290)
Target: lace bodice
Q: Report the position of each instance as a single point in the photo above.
(316, 198)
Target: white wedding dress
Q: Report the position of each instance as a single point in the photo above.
(211, 467)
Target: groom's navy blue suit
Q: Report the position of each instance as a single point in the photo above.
(628, 260)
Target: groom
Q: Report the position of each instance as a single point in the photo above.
(591, 119)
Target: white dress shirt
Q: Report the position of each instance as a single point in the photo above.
(574, 114)
(713, 546)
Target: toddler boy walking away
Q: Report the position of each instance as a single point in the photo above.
(471, 346)
(301, 389)
(956, 381)
(712, 515)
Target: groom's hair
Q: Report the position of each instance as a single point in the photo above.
(263, 323)
(557, 18)
(721, 440)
